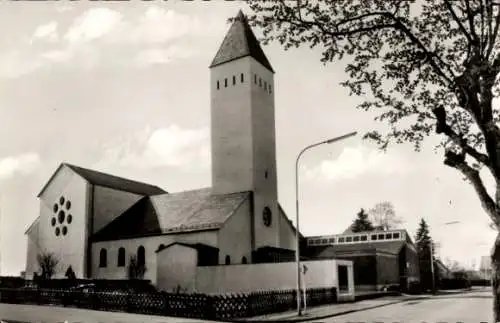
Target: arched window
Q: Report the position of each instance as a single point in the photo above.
(121, 257)
(141, 255)
(244, 260)
(103, 258)
(234, 80)
(242, 78)
(228, 260)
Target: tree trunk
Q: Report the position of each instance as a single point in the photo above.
(495, 278)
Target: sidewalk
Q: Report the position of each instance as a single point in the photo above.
(331, 310)
(54, 314)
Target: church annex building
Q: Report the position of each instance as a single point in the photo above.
(94, 222)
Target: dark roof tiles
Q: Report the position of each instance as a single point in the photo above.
(187, 211)
(239, 42)
(115, 182)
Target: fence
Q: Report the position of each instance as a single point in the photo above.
(212, 307)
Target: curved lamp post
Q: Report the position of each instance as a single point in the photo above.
(297, 234)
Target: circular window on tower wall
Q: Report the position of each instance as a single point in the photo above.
(267, 216)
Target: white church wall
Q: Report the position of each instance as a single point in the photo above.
(32, 249)
(231, 127)
(109, 204)
(287, 234)
(177, 269)
(150, 244)
(269, 277)
(69, 247)
(264, 155)
(235, 236)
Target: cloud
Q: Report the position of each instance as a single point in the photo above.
(93, 24)
(47, 31)
(17, 63)
(157, 36)
(357, 161)
(22, 164)
(161, 56)
(172, 146)
(157, 25)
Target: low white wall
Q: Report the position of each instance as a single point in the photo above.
(272, 276)
(176, 269)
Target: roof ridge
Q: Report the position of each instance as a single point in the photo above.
(92, 175)
(240, 41)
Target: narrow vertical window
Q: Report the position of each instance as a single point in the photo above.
(218, 85)
(255, 78)
(228, 260)
(265, 85)
(234, 80)
(103, 258)
(121, 257)
(270, 89)
(225, 82)
(242, 78)
(141, 255)
(260, 82)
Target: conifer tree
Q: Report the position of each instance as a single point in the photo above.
(362, 223)
(423, 241)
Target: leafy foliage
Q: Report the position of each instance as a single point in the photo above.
(384, 216)
(47, 262)
(362, 222)
(422, 66)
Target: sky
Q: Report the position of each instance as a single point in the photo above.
(124, 87)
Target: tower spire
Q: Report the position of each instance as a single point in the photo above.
(240, 41)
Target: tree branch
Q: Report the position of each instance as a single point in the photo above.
(457, 161)
(493, 37)
(457, 20)
(443, 127)
(470, 17)
(398, 25)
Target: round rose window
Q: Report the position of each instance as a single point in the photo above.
(60, 218)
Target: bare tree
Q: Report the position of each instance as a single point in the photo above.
(47, 262)
(384, 216)
(422, 66)
(136, 270)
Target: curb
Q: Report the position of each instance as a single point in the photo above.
(305, 319)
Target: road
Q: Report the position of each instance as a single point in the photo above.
(473, 307)
(466, 307)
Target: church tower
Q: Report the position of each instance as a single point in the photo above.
(243, 128)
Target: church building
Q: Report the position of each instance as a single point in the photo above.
(95, 222)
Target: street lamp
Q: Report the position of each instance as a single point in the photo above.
(432, 258)
(297, 235)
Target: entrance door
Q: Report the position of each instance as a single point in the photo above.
(343, 278)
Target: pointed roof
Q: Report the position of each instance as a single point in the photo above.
(239, 42)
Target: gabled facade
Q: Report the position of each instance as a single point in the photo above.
(94, 222)
(74, 204)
